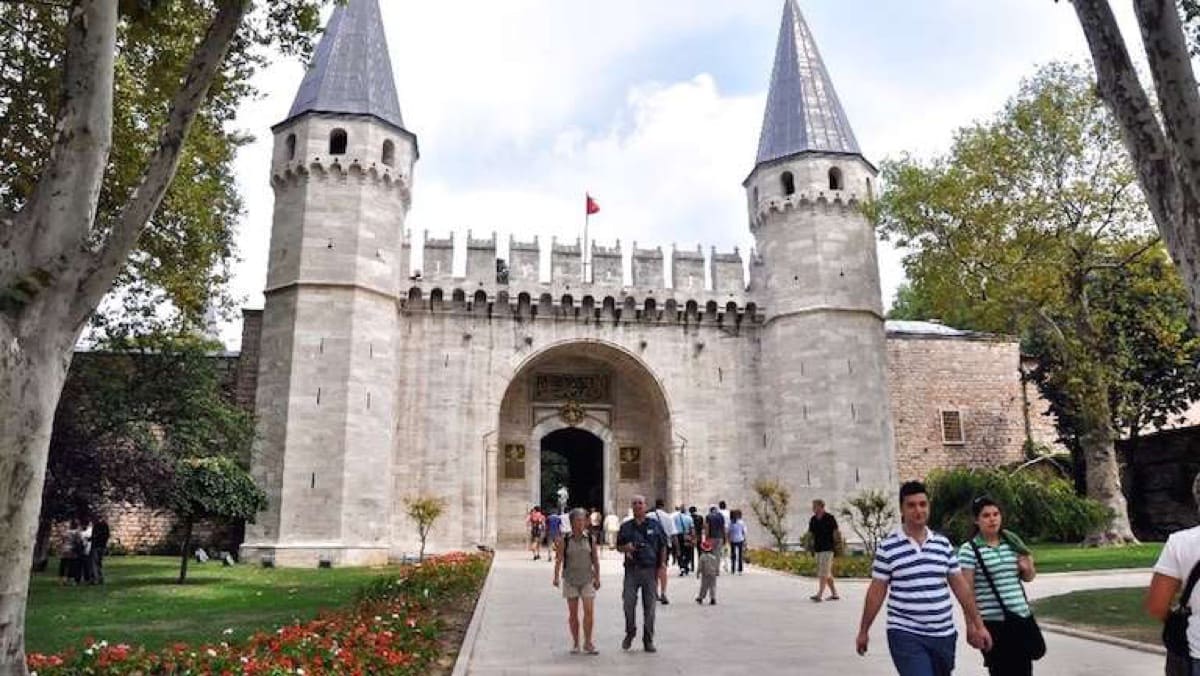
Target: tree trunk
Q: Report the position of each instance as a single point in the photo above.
(184, 547)
(31, 377)
(41, 544)
(1097, 442)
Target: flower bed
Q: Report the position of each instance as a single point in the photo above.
(399, 625)
(801, 563)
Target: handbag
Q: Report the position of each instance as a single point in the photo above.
(1174, 634)
(1024, 630)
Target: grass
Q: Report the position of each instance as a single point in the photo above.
(1115, 612)
(1059, 558)
(141, 604)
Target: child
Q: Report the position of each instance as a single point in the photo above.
(707, 571)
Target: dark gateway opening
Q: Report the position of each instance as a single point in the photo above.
(573, 458)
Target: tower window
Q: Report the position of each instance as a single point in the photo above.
(952, 427)
(870, 190)
(337, 142)
(755, 193)
(835, 179)
(789, 183)
(389, 153)
(291, 147)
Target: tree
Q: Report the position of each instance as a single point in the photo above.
(210, 488)
(72, 209)
(1013, 229)
(424, 510)
(770, 505)
(871, 515)
(1163, 137)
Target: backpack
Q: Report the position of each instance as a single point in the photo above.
(587, 535)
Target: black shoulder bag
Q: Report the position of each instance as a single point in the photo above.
(1174, 635)
(1024, 631)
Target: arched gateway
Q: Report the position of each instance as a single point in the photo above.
(587, 416)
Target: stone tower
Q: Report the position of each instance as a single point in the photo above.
(828, 431)
(342, 176)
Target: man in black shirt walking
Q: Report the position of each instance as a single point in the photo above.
(823, 528)
(644, 543)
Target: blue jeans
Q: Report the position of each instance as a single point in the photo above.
(917, 655)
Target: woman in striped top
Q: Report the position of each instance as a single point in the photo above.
(1009, 561)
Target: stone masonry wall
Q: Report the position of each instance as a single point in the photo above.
(977, 377)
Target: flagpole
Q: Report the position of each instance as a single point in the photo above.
(587, 216)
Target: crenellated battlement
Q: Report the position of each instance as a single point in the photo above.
(839, 201)
(291, 174)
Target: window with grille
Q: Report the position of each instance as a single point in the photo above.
(514, 461)
(952, 427)
(631, 463)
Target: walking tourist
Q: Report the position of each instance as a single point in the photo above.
(577, 568)
(725, 514)
(685, 540)
(697, 531)
(668, 525)
(596, 524)
(707, 570)
(554, 531)
(66, 552)
(100, 535)
(1178, 567)
(823, 529)
(737, 542)
(912, 569)
(994, 562)
(714, 529)
(536, 522)
(612, 523)
(644, 544)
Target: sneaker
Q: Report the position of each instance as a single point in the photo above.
(627, 642)
(699, 600)
(663, 599)
(815, 598)
(712, 602)
(649, 647)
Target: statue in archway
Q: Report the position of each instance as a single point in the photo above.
(563, 495)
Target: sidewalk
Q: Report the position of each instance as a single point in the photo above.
(763, 624)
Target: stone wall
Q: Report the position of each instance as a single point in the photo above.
(977, 376)
(1158, 474)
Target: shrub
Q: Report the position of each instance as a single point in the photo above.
(1038, 507)
(871, 515)
(424, 510)
(799, 563)
(770, 505)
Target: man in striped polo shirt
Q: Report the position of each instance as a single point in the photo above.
(915, 569)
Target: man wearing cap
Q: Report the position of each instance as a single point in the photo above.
(644, 544)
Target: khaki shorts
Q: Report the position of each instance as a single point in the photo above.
(824, 564)
(583, 591)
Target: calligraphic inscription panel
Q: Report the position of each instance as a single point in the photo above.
(582, 388)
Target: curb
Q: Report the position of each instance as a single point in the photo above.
(1102, 638)
(466, 650)
(1099, 571)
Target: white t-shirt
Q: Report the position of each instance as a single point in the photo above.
(725, 513)
(1178, 557)
(667, 523)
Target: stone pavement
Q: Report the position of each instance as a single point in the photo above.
(763, 624)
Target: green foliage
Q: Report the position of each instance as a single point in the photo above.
(186, 251)
(424, 510)
(770, 505)
(1034, 507)
(798, 563)
(214, 487)
(871, 514)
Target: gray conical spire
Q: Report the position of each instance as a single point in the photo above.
(351, 71)
(803, 112)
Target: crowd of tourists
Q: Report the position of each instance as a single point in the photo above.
(82, 547)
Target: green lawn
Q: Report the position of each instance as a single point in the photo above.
(1056, 558)
(1116, 612)
(142, 604)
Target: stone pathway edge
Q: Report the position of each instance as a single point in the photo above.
(463, 663)
(1102, 638)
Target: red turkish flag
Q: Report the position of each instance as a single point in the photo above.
(592, 207)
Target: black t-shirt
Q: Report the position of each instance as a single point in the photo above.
(715, 523)
(822, 530)
(649, 539)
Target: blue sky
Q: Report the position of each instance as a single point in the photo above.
(654, 107)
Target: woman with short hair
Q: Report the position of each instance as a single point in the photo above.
(577, 568)
(994, 562)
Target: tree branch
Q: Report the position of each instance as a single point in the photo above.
(1174, 81)
(206, 63)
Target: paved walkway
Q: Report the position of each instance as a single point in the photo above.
(763, 624)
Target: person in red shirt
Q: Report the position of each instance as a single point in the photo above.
(536, 522)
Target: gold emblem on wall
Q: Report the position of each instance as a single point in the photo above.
(572, 413)
(514, 461)
(631, 463)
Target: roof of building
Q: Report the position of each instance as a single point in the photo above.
(351, 71)
(935, 329)
(803, 112)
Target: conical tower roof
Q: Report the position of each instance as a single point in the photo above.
(803, 112)
(351, 71)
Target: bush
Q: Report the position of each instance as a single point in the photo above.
(770, 505)
(799, 563)
(1035, 507)
(871, 514)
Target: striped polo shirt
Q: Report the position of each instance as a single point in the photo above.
(1001, 562)
(918, 594)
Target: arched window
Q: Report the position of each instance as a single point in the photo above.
(389, 153)
(789, 183)
(291, 147)
(337, 142)
(835, 179)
